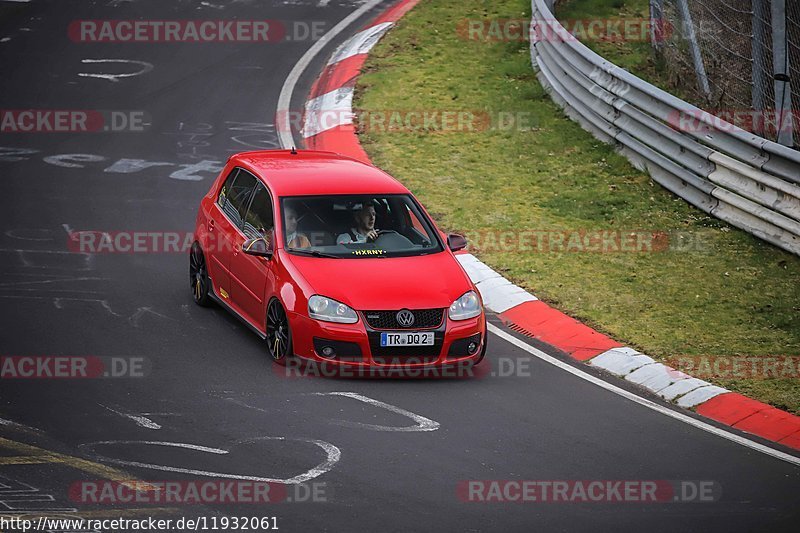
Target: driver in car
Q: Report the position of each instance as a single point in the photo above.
(364, 231)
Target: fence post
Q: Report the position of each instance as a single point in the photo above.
(697, 58)
(657, 30)
(759, 57)
(780, 65)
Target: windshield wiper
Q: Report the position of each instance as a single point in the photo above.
(314, 253)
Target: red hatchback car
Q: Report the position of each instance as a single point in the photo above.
(333, 260)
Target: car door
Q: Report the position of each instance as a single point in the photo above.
(225, 224)
(252, 276)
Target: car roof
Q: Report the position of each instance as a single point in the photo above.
(310, 172)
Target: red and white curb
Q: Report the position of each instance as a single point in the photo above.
(328, 125)
(328, 118)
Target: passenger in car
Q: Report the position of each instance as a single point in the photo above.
(293, 238)
(364, 230)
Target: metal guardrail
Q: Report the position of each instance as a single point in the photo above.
(741, 178)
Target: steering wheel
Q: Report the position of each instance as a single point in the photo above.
(398, 241)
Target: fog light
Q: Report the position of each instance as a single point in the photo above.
(472, 347)
(328, 351)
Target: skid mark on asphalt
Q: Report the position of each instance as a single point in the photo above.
(422, 423)
(333, 455)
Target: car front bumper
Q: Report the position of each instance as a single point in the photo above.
(358, 345)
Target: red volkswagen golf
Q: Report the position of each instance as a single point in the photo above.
(332, 260)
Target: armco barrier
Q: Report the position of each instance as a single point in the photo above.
(739, 177)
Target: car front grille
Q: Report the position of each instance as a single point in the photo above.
(423, 319)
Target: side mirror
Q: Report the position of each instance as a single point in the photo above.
(260, 247)
(456, 242)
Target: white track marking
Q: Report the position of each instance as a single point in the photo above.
(145, 68)
(129, 166)
(73, 160)
(423, 424)
(107, 307)
(195, 447)
(141, 421)
(12, 233)
(642, 401)
(285, 99)
(11, 423)
(246, 405)
(136, 317)
(61, 280)
(333, 455)
(72, 291)
(21, 250)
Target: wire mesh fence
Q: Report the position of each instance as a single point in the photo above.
(738, 59)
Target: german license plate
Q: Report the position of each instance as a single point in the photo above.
(407, 339)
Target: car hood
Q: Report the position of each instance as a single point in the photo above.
(422, 282)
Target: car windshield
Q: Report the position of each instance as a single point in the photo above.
(357, 226)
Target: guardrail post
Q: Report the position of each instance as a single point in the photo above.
(780, 64)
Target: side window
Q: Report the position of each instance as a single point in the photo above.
(237, 195)
(258, 220)
(222, 199)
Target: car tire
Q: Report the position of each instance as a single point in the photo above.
(279, 334)
(199, 281)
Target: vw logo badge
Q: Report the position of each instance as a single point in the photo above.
(405, 318)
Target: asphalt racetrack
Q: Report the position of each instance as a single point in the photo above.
(198, 398)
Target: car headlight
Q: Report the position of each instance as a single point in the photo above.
(328, 310)
(468, 306)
